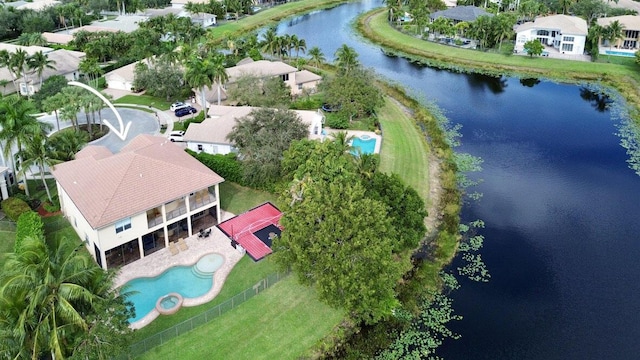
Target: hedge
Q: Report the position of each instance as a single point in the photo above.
(29, 225)
(14, 207)
(226, 165)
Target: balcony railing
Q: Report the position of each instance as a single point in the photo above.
(199, 200)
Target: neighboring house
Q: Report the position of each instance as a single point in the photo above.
(203, 19)
(210, 136)
(66, 64)
(460, 13)
(37, 5)
(298, 81)
(122, 78)
(630, 29)
(179, 4)
(57, 38)
(128, 205)
(565, 33)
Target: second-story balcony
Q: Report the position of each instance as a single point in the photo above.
(175, 209)
(201, 199)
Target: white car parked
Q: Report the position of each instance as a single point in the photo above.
(177, 135)
(177, 105)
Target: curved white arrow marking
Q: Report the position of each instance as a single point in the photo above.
(122, 131)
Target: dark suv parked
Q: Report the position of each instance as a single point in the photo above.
(185, 111)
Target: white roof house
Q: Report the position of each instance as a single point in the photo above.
(210, 136)
(130, 204)
(567, 34)
(122, 78)
(631, 31)
(66, 64)
(298, 81)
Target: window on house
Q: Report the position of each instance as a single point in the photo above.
(567, 47)
(199, 147)
(299, 86)
(86, 238)
(284, 77)
(543, 32)
(123, 225)
(568, 39)
(75, 222)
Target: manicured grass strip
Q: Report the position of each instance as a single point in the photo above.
(7, 239)
(404, 151)
(145, 100)
(280, 323)
(244, 275)
(135, 108)
(238, 199)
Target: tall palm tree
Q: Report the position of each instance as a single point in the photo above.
(28, 39)
(316, 56)
(47, 292)
(39, 62)
(37, 152)
(269, 42)
(90, 67)
(197, 76)
(19, 127)
(18, 64)
(346, 58)
(298, 45)
(218, 73)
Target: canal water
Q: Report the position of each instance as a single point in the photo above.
(560, 205)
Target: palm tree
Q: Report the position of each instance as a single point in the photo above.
(28, 39)
(37, 152)
(66, 144)
(346, 58)
(614, 32)
(218, 74)
(270, 41)
(298, 45)
(54, 103)
(201, 73)
(90, 67)
(316, 56)
(503, 27)
(47, 292)
(39, 62)
(18, 63)
(19, 127)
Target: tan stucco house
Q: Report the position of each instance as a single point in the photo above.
(128, 205)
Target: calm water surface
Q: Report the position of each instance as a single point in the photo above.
(560, 204)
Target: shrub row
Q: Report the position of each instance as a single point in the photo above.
(226, 166)
(13, 207)
(29, 225)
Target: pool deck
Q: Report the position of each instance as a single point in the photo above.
(359, 133)
(156, 263)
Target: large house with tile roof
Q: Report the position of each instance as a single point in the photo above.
(128, 205)
(460, 13)
(297, 80)
(567, 34)
(210, 136)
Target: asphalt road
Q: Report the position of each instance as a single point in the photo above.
(141, 123)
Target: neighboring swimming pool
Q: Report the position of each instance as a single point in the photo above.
(365, 143)
(620, 53)
(188, 281)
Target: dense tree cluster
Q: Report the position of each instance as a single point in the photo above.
(260, 92)
(261, 137)
(343, 224)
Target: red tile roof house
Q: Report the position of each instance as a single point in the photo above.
(128, 205)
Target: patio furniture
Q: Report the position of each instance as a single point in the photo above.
(183, 245)
(173, 248)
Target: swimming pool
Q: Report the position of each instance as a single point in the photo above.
(620, 53)
(365, 143)
(188, 281)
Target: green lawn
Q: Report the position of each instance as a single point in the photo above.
(7, 238)
(237, 199)
(145, 100)
(283, 322)
(404, 150)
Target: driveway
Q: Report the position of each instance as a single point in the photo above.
(142, 122)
